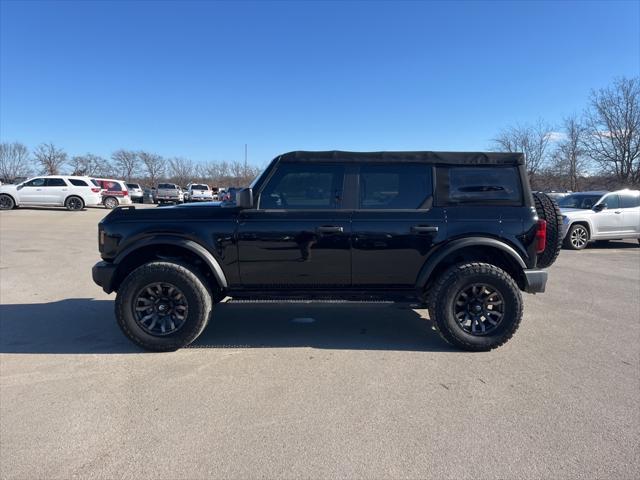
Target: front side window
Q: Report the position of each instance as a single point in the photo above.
(78, 183)
(304, 186)
(55, 182)
(36, 182)
(611, 201)
(394, 187)
(579, 200)
(484, 185)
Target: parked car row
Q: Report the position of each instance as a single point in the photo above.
(599, 216)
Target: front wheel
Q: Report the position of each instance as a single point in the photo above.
(6, 202)
(577, 237)
(163, 306)
(476, 306)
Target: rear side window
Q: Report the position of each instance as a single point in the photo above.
(78, 183)
(111, 186)
(55, 182)
(394, 187)
(481, 185)
(304, 186)
(629, 201)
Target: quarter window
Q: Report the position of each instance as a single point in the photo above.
(395, 187)
(304, 186)
(482, 185)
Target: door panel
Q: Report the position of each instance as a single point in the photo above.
(291, 248)
(390, 247)
(609, 221)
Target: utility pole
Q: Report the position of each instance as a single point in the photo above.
(245, 158)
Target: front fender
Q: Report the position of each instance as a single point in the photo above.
(194, 247)
(451, 247)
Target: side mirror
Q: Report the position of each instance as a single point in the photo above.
(20, 186)
(244, 198)
(599, 207)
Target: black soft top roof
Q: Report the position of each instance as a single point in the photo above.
(459, 158)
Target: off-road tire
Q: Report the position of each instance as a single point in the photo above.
(446, 290)
(7, 202)
(74, 203)
(190, 282)
(109, 202)
(548, 210)
(572, 245)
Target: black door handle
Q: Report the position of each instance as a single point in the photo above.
(329, 229)
(423, 229)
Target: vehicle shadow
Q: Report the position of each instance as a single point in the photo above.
(613, 244)
(87, 326)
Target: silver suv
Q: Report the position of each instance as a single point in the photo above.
(600, 215)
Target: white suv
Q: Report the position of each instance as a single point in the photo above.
(74, 193)
(588, 216)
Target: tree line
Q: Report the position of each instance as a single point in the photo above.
(599, 148)
(16, 161)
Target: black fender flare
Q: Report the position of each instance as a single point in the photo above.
(194, 247)
(444, 251)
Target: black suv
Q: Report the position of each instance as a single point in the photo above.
(459, 232)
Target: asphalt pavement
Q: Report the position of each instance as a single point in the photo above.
(311, 390)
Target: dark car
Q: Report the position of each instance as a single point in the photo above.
(460, 232)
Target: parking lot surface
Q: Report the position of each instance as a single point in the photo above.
(311, 390)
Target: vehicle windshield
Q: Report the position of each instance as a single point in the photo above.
(167, 186)
(199, 187)
(579, 200)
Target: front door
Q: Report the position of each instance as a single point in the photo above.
(33, 192)
(608, 221)
(395, 225)
(298, 235)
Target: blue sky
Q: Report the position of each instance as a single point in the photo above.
(201, 79)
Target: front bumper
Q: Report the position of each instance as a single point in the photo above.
(535, 281)
(103, 274)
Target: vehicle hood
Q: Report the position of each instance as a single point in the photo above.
(8, 188)
(178, 213)
(576, 212)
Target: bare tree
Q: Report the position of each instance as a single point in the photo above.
(50, 158)
(155, 166)
(613, 129)
(90, 165)
(126, 161)
(14, 161)
(530, 139)
(569, 159)
(181, 170)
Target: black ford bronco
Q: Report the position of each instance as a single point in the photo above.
(460, 232)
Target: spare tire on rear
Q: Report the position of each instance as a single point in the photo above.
(549, 211)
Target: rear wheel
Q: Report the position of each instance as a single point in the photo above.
(6, 202)
(577, 237)
(111, 202)
(548, 210)
(163, 306)
(476, 306)
(74, 203)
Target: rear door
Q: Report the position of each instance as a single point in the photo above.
(395, 224)
(298, 236)
(630, 204)
(56, 190)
